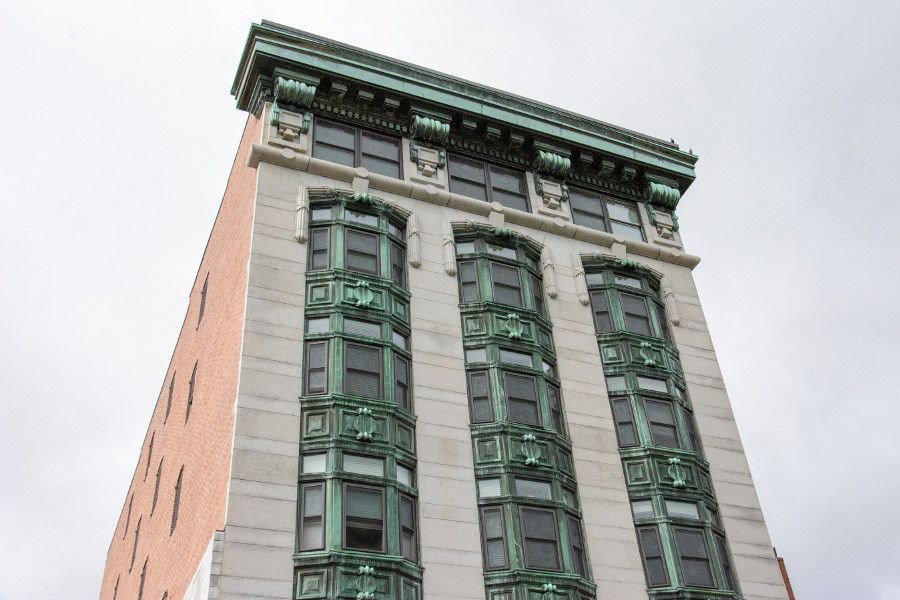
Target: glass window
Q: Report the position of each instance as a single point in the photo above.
(616, 383)
(353, 216)
(363, 328)
(468, 178)
(488, 488)
(395, 230)
(494, 539)
(408, 528)
(363, 518)
(491, 183)
(537, 295)
(468, 282)
(725, 560)
(313, 463)
(515, 358)
(661, 421)
(663, 323)
(316, 367)
(317, 325)
(312, 507)
(318, 248)
(682, 510)
(404, 476)
(379, 154)
(476, 355)
(624, 420)
(480, 398)
(594, 278)
(692, 431)
(356, 148)
(465, 247)
(506, 285)
(653, 384)
(540, 538)
(579, 563)
(625, 220)
(364, 465)
(320, 214)
(548, 369)
(642, 509)
(521, 399)
(651, 552)
(334, 143)
(587, 209)
(362, 251)
(508, 188)
(600, 307)
(401, 383)
(634, 311)
(362, 370)
(632, 282)
(400, 340)
(694, 557)
(533, 489)
(555, 408)
(398, 265)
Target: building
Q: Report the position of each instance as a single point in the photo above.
(444, 343)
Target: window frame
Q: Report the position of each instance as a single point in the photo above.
(310, 263)
(301, 526)
(401, 497)
(358, 154)
(488, 396)
(407, 403)
(671, 404)
(537, 398)
(344, 496)
(307, 368)
(645, 557)
(518, 271)
(488, 170)
(346, 367)
(523, 510)
(603, 214)
(709, 561)
(608, 312)
(617, 424)
(348, 231)
(577, 552)
(485, 540)
(625, 313)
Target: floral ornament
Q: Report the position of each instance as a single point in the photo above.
(363, 294)
(365, 583)
(531, 450)
(676, 472)
(364, 424)
(514, 326)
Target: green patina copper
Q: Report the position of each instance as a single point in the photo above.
(429, 129)
(551, 163)
(662, 195)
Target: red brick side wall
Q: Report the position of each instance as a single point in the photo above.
(203, 444)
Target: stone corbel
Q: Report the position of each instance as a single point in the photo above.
(580, 281)
(301, 220)
(428, 133)
(413, 243)
(290, 121)
(449, 246)
(555, 163)
(549, 271)
(662, 193)
(671, 304)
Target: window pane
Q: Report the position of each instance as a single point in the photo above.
(316, 367)
(521, 399)
(539, 531)
(388, 168)
(623, 212)
(694, 557)
(362, 251)
(311, 523)
(594, 278)
(507, 180)
(502, 251)
(488, 488)
(624, 420)
(465, 247)
(400, 340)
(683, 510)
(600, 306)
(663, 323)
(362, 371)
(575, 540)
(318, 325)
(464, 168)
(506, 284)
(588, 220)
(381, 147)
(401, 382)
(476, 355)
(692, 431)
(642, 509)
(398, 265)
(479, 398)
(468, 282)
(318, 256)
(630, 232)
(510, 200)
(361, 218)
(635, 313)
(661, 421)
(654, 566)
(515, 358)
(363, 328)
(363, 518)
(404, 475)
(616, 383)
(466, 188)
(548, 369)
(407, 528)
(335, 135)
(651, 383)
(555, 408)
(364, 465)
(314, 463)
(320, 214)
(537, 295)
(494, 538)
(628, 281)
(722, 548)
(334, 154)
(587, 210)
(533, 489)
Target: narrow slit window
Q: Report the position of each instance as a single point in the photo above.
(624, 420)
(600, 307)
(319, 244)
(312, 521)
(725, 561)
(480, 398)
(651, 553)
(408, 545)
(401, 383)
(176, 504)
(203, 292)
(190, 398)
(156, 486)
(537, 295)
(398, 265)
(556, 409)
(169, 399)
(316, 367)
(493, 533)
(579, 561)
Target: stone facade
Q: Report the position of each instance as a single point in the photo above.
(241, 445)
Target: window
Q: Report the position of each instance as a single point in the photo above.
(651, 553)
(156, 486)
(587, 209)
(663, 323)
(362, 370)
(476, 355)
(725, 560)
(579, 563)
(682, 510)
(653, 384)
(318, 325)
(616, 383)
(316, 367)
(539, 533)
(408, 528)
(521, 399)
(605, 214)
(190, 398)
(312, 523)
(364, 465)
(314, 463)
(634, 311)
(624, 420)
(169, 400)
(487, 182)
(362, 328)
(600, 307)
(363, 518)
(692, 431)
(137, 535)
(320, 213)
(203, 300)
(694, 558)
(480, 398)
(356, 148)
(515, 358)
(404, 476)
(642, 509)
(555, 408)
(625, 220)
(661, 421)
(398, 265)
(465, 247)
(149, 455)
(320, 242)
(468, 282)
(361, 251)
(401, 383)
(531, 488)
(507, 288)
(400, 340)
(492, 530)
(488, 488)
(353, 216)
(537, 295)
(631, 282)
(176, 504)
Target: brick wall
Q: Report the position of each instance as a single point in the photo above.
(203, 443)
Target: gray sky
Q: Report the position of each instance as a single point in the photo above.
(119, 134)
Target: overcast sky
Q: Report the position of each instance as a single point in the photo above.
(119, 133)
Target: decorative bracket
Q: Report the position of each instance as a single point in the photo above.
(364, 424)
(301, 220)
(671, 304)
(676, 472)
(580, 280)
(548, 591)
(363, 294)
(449, 246)
(429, 129)
(549, 271)
(662, 195)
(365, 583)
(551, 192)
(551, 163)
(514, 326)
(531, 450)
(413, 243)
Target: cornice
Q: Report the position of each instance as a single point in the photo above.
(406, 91)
